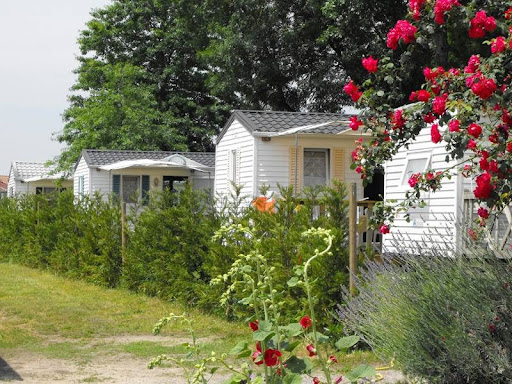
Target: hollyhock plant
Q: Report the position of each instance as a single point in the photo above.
(305, 322)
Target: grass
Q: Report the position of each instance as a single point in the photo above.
(71, 320)
(35, 306)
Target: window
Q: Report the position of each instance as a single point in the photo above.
(130, 188)
(316, 167)
(174, 183)
(416, 162)
(41, 190)
(233, 161)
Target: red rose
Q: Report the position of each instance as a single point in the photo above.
(474, 130)
(471, 144)
(429, 118)
(483, 213)
(498, 45)
(305, 322)
(484, 88)
(415, 6)
(508, 13)
(441, 7)
(473, 64)
(384, 229)
(353, 91)
(509, 146)
(254, 325)
(398, 120)
(434, 133)
(272, 357)
(355, 123)
(439, 104)
(481, 23)
(484, 188)
(454, 125)
(423, 95)
(402, 30)
(370, 64)
(414, 179)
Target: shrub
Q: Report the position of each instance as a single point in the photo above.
(447, 320)
(169, 246)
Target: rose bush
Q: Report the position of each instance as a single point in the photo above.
(468, 109)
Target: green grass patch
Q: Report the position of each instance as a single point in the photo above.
(35, 305)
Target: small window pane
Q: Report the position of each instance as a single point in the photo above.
(315, 167)
(414, 166)
(131, 188)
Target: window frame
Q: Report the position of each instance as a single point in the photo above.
(416, 155)
(328, 167)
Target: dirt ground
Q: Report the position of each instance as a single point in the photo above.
(123, 368)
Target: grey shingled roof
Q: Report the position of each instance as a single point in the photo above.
(28, 169)
(99, 157)
(272, 122)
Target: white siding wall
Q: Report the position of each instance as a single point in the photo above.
(101, 181)
(236, 138)
(274, 162)
(81, 170)
(11, 185)
(434, 225)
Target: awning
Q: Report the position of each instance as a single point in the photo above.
(176, 163)
(46, 177)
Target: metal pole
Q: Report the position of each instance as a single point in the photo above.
(352, 233)
(296, 186)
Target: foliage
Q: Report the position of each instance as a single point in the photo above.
(280, 230)
(52, 232)
(466, 109)
(169, 247)
(170, 252)
(276, 342)
(446, 320)
(140, 84)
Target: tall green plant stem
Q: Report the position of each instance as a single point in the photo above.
(322, 359)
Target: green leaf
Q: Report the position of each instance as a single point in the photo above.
(290, 347)
(265, 325)
(240, 347)
(292, 378)
(297, 365)
(359, 372)
(261, 335)
(293, 281)
(320, 337)
(347, 342)
(293, 329)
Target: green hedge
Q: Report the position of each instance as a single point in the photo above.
(170, 252)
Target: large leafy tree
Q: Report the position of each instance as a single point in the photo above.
(292, 54)
(140, 84)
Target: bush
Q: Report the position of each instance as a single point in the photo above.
(447, 320)
(169, 247)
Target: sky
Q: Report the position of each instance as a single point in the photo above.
(38, 49)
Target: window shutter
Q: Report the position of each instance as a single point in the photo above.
(338, 157)
(116, 185)
(82, 185)
(145, 189)
(296, 166)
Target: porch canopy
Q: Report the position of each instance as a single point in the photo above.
(45, 177)
(174, 161)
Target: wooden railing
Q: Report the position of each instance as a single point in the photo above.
(367, 239)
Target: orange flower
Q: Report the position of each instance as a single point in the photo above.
(263, 204)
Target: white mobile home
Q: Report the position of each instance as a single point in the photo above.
(257, 148)
(135, 173)
(31, 177)
(443, 222)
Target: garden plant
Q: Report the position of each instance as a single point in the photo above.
(467, 109)
(280, 351)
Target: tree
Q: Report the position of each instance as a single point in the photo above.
(140, 84)
(292, 54)
(468, 109)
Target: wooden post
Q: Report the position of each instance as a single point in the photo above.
(352, 233)
(123, 232)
